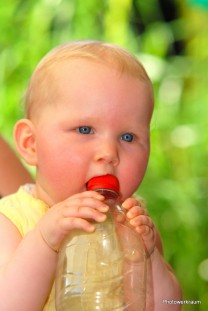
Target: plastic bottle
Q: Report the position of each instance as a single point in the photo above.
(104, 270)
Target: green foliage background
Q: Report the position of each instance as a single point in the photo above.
(175, 54)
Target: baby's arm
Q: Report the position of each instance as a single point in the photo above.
(27, 265)
(161, 281)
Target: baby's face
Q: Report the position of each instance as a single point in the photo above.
(97, 124)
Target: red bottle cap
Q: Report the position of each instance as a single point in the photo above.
(103, 182)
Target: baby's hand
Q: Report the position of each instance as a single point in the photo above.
(138, 217)
(76, 212)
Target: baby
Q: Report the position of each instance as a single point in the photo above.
(88, 111)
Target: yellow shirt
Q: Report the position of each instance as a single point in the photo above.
(25, 211)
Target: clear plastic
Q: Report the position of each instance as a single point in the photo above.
(104, 270)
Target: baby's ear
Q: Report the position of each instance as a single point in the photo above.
(24, 136)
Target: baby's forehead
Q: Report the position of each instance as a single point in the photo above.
(78, 68)
(49, 70)
(72, 72)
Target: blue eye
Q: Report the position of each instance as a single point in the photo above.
(128, 137)
(84, 130)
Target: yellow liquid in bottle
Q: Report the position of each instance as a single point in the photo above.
(92, 277)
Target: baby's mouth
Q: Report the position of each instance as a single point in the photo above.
(107, 181)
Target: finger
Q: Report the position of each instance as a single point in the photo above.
(130, 202)
(87, 194)
(145, 230)
(77, 203)
(77, 223)
(136, 211)
(142, 220)
(84, 212)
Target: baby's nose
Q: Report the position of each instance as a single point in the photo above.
(107, 151)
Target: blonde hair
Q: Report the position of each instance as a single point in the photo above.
(109, 54)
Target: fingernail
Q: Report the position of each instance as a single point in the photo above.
(104, 208)
(91, 228)
(129, 215)
(102, 217)
(100, 196)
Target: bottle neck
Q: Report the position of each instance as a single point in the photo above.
(108, 193)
